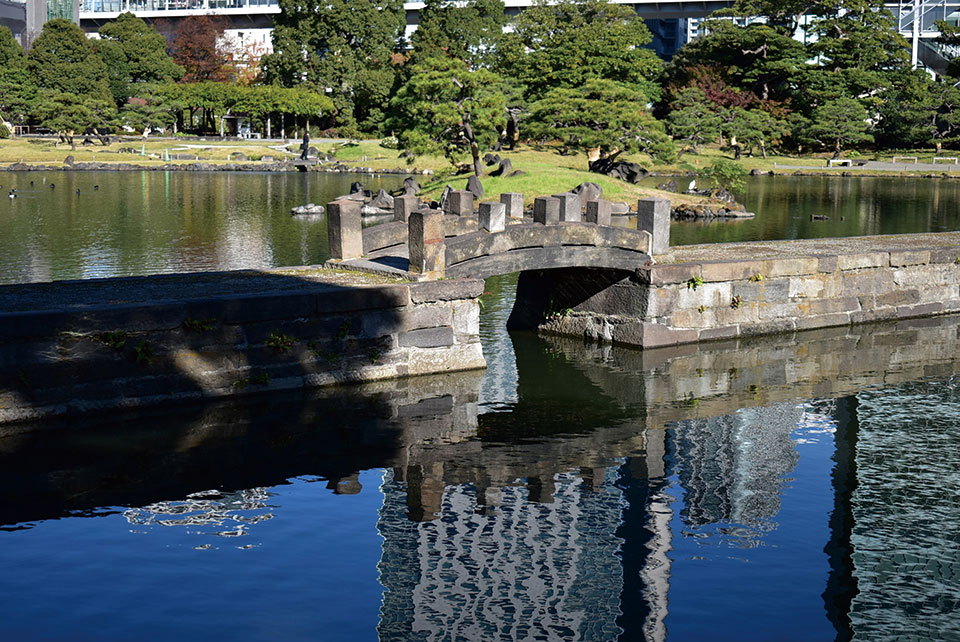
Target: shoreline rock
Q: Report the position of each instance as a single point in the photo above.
(204, 166)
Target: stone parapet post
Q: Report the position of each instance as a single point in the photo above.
(404, 206)
(653, 216)
(344, 229)
(599, 212)
(514, 204)
(570, 207)
(426, 244)
(460, 203)
(546, 210)
(493, 217)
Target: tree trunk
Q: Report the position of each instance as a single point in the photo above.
(268, 126)
(474, 149)
(513, 129)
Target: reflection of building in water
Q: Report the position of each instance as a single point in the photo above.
(732, 468)
(527, 570)
(903, 512)
(208, 512)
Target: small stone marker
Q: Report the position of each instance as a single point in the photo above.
(493, 217)
(653, 215)
(598, 212)
(344, 229)
(404, 206)
(546, 210)
(460, 203)
(425, 240)
(514, 204)
(570, 207)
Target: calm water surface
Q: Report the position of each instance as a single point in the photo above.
(791, 488)
(153, 222)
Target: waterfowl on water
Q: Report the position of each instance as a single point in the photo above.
(96, 188)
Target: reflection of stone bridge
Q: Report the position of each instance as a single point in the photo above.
(456, 242)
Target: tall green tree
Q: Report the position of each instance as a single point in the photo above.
(72, 78)
(135, 53)
(564, 44)
(755, 58)
(63, 59)
(602, 115)
(919, 113)
(691, 118)
(838, 124)
(447, 108)
(342, 48)
(469, 31)
(17, 89)
(858, 49)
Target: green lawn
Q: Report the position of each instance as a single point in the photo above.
(547, 171)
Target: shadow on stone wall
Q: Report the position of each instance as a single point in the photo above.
(72, 347)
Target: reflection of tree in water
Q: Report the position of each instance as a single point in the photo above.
(208, 512)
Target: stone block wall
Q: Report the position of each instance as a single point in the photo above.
(698, 301)
(64, 359)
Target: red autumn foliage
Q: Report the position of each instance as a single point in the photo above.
(198, 45)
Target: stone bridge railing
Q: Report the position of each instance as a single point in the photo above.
(456, 242)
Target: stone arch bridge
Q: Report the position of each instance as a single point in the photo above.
(427, 244)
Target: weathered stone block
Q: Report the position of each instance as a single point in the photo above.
(708, 294)
(460, 203)
(900, 258)
(863, 260)
(747, 313)
(867, 282)
(344, 229)
(659, 301)
(466, 319)
(728, 270)
(832, 306)
(810, 287)
(723, 332)
(546, 210)
(694, 318)
(427, 250)
(827, 263)
(769, 311)
(898, 298)
(493, 217)
(428, 316)
(571, 209)
(598, 212)
(513, 202)
(653, 216)
(944, 254)
(655, 334)
(768, 327)
(773, 268)
(366, 298)
(266, 307)
(667, 274)
(921, 310)
(404, 206)
(430, 291)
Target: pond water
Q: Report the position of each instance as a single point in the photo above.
(782, 489)
(789, 488)
(130, 223)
